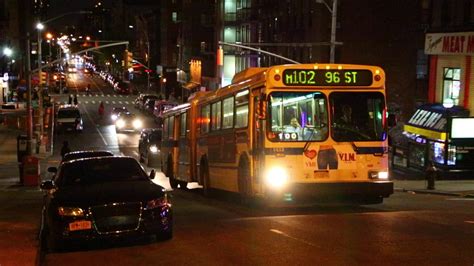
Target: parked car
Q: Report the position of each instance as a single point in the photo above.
(160, 107)
(149, 105)
(140, 101)
(149, 146)
(97, 199)
(128, 122)
(69, 118)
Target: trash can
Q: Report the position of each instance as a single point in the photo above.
(31, 171)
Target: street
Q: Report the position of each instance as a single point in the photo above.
(407, 229)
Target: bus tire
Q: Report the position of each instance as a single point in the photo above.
(244, 181)
(170, 174)
(204, 176)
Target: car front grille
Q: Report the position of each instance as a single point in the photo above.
(116, 217)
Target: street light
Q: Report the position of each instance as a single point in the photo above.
(333, 12)
(7, 51)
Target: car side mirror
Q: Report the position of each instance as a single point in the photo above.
(152, 174)
(47, 185)
(52, 169)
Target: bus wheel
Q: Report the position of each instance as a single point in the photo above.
(169, 173)
(244, 182)
(204, 173)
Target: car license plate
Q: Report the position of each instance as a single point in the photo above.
(321, 174)
(80, 225)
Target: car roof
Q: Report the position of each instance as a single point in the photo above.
(68, 106)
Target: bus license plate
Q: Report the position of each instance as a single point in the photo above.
(321, 174)
(80, 225)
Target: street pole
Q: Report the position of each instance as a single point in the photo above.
(60, 76)
(29, 109)
(333, 31)
(40, 27)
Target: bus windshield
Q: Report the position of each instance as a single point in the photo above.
(298, 116)
(357, 116)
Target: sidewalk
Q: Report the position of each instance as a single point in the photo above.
(20, 206)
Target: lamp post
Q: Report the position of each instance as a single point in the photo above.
(333, 12)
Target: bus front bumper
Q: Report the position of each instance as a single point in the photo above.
(333, 191)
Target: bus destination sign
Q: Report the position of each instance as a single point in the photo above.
(327, 77)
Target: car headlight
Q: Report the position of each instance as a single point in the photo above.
(276, 177)
(137, 123)
(120, 123)
(153, 149)
(157, 203)
(114, 117)
(70, 211)
(378, 175)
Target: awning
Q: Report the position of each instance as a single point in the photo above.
(191, 85)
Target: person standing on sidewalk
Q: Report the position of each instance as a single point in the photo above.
(431, 175)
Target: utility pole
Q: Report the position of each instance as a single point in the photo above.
(29, 108)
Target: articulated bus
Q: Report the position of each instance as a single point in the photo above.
(285, 133)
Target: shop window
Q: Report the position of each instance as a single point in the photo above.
(451, 84)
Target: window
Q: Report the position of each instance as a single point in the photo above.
(205, 119)
(451, 85)
(216, 116)
(165, 128)
(171, 127)
(242, 109)
(298, 116)
(183, 124)
(228, 121)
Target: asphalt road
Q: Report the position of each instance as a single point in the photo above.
(407, 229)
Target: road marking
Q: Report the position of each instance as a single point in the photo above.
(294, 238)
(98, 131)
(120, 102)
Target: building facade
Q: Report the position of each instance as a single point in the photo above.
(449, 43)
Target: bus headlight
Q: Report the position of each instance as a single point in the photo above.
(137, 124)
(276, 177)
(120, 123)
(153, 149)
(378, 175)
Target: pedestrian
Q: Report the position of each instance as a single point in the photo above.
(65, 148)
(70, 99)
(75, 99)
(101, 109)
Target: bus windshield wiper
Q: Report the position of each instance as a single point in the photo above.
(306, 145)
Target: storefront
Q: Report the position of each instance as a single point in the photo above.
(451, 72)
(441, 135)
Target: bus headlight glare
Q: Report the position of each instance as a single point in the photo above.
(120, 123)
(276, 177)
(137, 123)
(383, 175)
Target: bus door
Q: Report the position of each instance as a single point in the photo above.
(258, 132)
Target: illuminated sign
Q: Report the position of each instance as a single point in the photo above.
(327, 77)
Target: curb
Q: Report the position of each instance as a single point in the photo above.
(435, 192)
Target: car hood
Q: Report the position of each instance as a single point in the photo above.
(109, 192)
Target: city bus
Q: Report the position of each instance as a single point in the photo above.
(285, 133)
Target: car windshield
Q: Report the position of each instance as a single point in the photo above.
(120, 110)
(298, 116)
(100, 170)
(69, 113)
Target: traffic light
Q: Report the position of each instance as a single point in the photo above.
(42, 78)
(128, 59)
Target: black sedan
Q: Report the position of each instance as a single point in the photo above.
(104, 198)
(84, 154)
(128, 122)
(149, 146)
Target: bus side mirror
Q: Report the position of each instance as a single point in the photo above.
(262, 107)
